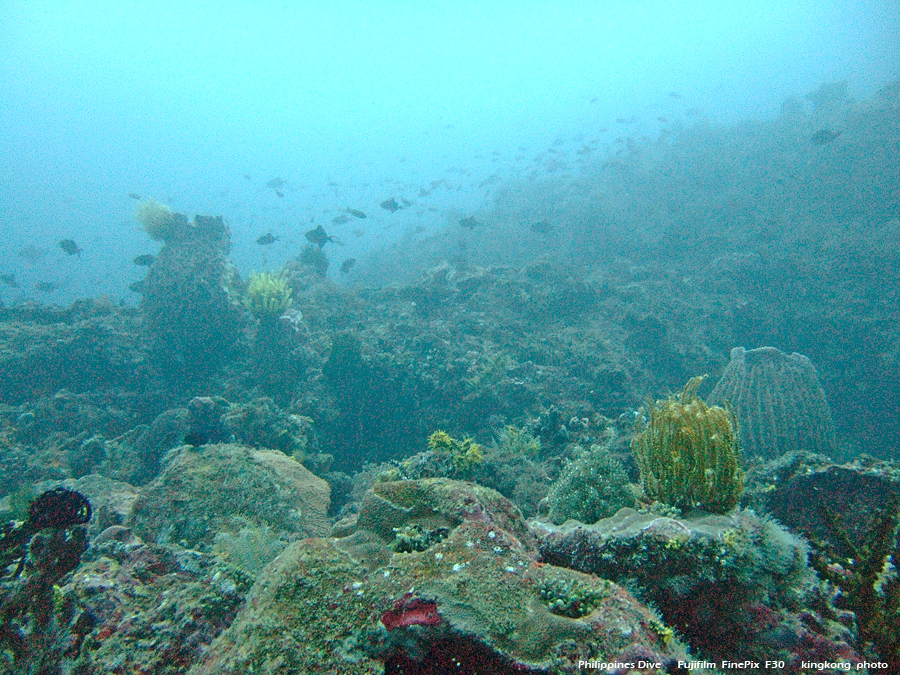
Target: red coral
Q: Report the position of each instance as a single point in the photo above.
(410, 611)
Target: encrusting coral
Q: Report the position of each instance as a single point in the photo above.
(688, 453)
(268, 296)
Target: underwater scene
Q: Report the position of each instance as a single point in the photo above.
(479, 338)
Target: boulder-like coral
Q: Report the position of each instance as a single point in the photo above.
(201, 489)
(779, 403)
(267, 296)
(472, 601)
(687, 452)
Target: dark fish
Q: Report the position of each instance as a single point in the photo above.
(276, 183)
(318, 236)
(144, 260)
(195, 438)
(356, 213)
(247, 176)
(9, 280)
(70, 247)
(469, 222)
(279, 193)
(406, 202)
(47, 286)
(542, 227)
(134, 195)
(267, 239)
(824, 136)
(391, 205)
(340, 220)
(32, 253)
(347, 265)
(674, 94)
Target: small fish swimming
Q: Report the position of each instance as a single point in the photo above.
(347, 265)
(47, 286)
(134, 195)
(266, 239)
(469, 222)
(32, 253)
(276, 183)
(340, 220)
(824, 136)
(144, 260)
(318, 236)
(279, 193)
(70, 247)
(9, 280)
(356, 213)
(391, 205)
(542, 227)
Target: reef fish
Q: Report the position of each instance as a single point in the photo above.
(70, 247)
(347, 265)
(318, 236)
(276, 183)
(356, 213)
(824, 136)
(32, 253)
(542, 227)
(267, 239)
(9, 280)
(144, 260)
(391, 205)
(469, 222)
(340, 220)
(47, 286)
(134, 195)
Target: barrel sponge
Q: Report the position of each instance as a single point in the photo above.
(779, 403)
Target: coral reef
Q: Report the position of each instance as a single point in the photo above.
(473, 601)
(851, 515)
(736, 586)
(688, 453)
(867, 577)
(48, 546)
(778, 401)
(191, 317)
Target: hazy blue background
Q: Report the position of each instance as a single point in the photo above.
(354, 102)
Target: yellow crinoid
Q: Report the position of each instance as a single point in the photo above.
(267, 296)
